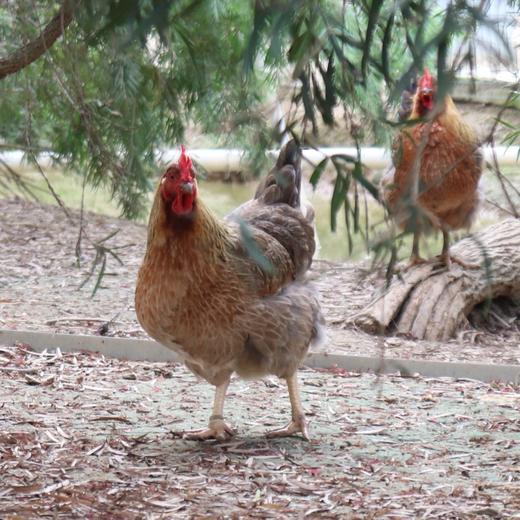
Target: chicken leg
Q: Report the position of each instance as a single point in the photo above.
(297, 423)
(217, 428)
(415, 258)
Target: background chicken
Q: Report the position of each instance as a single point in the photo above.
(437, 168)
(229, 296)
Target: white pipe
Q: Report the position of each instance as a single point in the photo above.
(15, 159)
(212, 159)
(505, 155)
(223, 160)
(234, 159)
(373, 158)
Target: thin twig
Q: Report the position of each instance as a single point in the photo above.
(81, 223)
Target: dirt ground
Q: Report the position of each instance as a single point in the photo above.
(87, 437)
(82, 436)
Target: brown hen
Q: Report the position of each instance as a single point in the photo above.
(229, 295)
(437, 168)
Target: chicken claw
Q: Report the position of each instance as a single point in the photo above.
(416, 260)
(445, 258)
(297, 425)
(217, 429)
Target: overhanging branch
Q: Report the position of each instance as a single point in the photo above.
(31, 51)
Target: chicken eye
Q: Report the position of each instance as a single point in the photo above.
(170, 174)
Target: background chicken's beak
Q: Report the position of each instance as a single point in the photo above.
(187, 187)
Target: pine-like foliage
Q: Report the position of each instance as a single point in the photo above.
(119, 87)
(129, 75)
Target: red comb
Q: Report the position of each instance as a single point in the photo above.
(426, 80)
(185, 163)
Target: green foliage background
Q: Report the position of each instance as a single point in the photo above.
(128, 76)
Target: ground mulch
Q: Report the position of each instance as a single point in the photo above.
(82, 436)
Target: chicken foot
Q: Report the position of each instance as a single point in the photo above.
(298, 423)
(446, 259)
(217, 428)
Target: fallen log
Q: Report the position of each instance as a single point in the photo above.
(426, 302)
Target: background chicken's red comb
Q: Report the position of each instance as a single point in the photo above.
(426, 80)
(185, 163)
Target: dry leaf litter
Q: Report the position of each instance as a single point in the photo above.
(83, 436)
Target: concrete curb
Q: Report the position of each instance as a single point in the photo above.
(148, 350)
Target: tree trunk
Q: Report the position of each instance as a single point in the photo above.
(431, 303)
(30, 52)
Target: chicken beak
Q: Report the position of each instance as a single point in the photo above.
(187, 187)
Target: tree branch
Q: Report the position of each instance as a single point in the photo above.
(31, 51)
